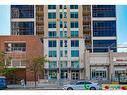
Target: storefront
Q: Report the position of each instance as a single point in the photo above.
(52, 75)
(99, 73)
(75, 74)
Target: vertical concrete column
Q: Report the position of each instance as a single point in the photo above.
(69, 74)
(87, 65)
(69, 71)
(110, 64)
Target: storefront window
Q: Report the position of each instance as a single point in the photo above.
(64, 74)
(98, 75)
(120, 75)
(52, 74)
(75, 74)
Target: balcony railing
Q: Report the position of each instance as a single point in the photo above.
(16, 49)
(75, 66)
(87, 37)
(52, 66)
(18, 64)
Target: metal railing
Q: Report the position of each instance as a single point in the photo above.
(16, 49)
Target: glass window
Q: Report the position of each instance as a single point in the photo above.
(51, 6)
(75, 75)
(52, 64)
(51, 24)
(74, 53)
(87, 82)
(75, 64)
(65, 14)
(65, 43)
(63, 64)
(104, 28)
(104, 45)
(73, 6)
(74, 24)
(104, 10)
(64, 74)
(52, 53)
(74, 33)
(60, 6)
(65, 24)
(52, 15)
(74, 43)
(61, 15)
(61, 24)
(22, 28)
(15, 47)
(74, 14)
(52, 74)
(61, 53)
(52, 34)
(61, 43)
(22, 11)
(65, 53)
(63, 34)
(51, 43)
(80, 83)
(98, 74)
(65, 7)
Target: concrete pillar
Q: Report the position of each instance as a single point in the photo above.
(87, 65)
(110, 65)
(69, 74)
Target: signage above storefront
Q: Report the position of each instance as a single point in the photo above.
(119, 60)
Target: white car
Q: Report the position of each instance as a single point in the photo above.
(82, 85)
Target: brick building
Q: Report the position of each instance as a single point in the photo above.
(21, 48)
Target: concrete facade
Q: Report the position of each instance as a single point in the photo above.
(105, 66)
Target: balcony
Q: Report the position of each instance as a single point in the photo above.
(52, 66)
(63, 66)
(86, 13)
(87, 37)
(86, 27)
(88, 46)
(75, 66)
(17, 63)
(40, 14)
(87, 18)
(39, 23)
(40, 32)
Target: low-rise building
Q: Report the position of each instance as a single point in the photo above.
(20, 49)
(105, 66)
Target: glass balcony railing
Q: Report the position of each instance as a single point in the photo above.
(75, 66)
(52, 66)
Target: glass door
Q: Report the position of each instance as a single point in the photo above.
(75, 75)
(99, 75)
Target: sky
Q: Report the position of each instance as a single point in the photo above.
(121, 11)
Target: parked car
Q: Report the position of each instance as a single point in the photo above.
(3, 82)
(82, 85)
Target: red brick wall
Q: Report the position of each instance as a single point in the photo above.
(34, 48)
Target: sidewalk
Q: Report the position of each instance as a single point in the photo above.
(32, 87)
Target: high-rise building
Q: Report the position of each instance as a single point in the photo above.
(67, 30)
